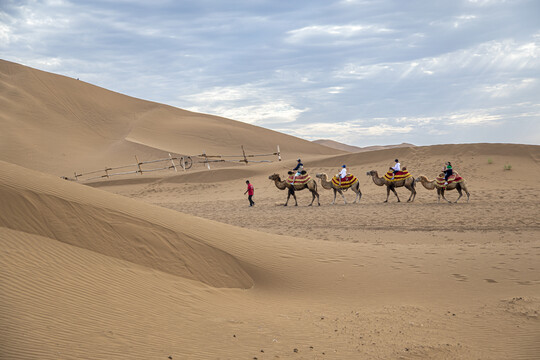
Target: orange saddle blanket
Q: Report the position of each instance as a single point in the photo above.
(454, 178)
(399, 175)
(346, 182)
(299, 180)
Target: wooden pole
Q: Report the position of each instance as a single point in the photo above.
(174, 166)
(278, 153)
(206, 160)
(244, 153)
(138, 164)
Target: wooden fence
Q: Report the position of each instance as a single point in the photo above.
(182, 162)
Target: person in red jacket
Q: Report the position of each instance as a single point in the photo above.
(250, 191)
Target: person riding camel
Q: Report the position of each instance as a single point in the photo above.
(395, 168)
(299, 167)
(447, 172)
(342, 174)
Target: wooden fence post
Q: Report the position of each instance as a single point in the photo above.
(173, 164)
(138, 164)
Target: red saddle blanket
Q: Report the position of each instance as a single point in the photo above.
(298, 180)
(454, 178)
(399, 175)
(346, 182)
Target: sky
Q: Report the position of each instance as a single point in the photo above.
(361, 72)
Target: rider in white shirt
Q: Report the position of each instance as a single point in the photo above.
(342, 173)
(395, 168)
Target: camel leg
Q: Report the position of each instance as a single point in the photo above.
(442, 194)
(413, 192)
(335, 194)
(343, 196)
(312, 197)
(460, 193)
(387, 193)
(358, 194)
(313, 194)
(291, 192)
(466, 191)
(395, 193)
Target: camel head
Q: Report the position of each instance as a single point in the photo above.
(320, 175)
(421, 178)
(274, 177)
(372, 173)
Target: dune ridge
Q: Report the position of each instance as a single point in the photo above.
(81, 216)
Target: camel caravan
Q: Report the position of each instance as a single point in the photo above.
(395, 177)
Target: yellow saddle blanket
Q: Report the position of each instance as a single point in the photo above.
(346, 182)
(399, 175)
(299, 180)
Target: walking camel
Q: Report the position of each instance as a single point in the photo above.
(329, 185)
(408, 183)
(311, 185)
(441, 188)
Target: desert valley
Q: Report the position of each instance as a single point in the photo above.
(176, 265)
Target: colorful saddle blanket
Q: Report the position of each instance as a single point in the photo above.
(400, 175)
(454, 178)
(346, 182)
(299, 180)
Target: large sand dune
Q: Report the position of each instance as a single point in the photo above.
(176, 265)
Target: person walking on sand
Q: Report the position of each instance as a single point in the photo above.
(250, 191)
(395, 168)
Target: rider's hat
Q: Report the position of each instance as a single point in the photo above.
(344, 166)
(298, 160)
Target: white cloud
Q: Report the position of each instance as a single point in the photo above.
(509, 89)
(489, 56)
(346, 131)
(250, 103)
(314, 32)
(271, 112)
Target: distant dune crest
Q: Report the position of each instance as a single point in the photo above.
(354, 149)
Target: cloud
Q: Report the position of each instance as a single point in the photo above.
(249, 103)
(325, 33)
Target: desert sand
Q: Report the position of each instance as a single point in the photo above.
(176, 265)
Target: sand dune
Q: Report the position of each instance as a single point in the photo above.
(83, 127)
(353, 149)
(176, 265)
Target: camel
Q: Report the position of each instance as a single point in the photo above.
(409, 183)
(328, 185)
(432, 184)
(311, 185)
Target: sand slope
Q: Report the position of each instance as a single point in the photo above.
(60, 125)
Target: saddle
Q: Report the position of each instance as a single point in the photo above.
(454, 178)
(399, 175)
(299, 180)
(346, 182)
